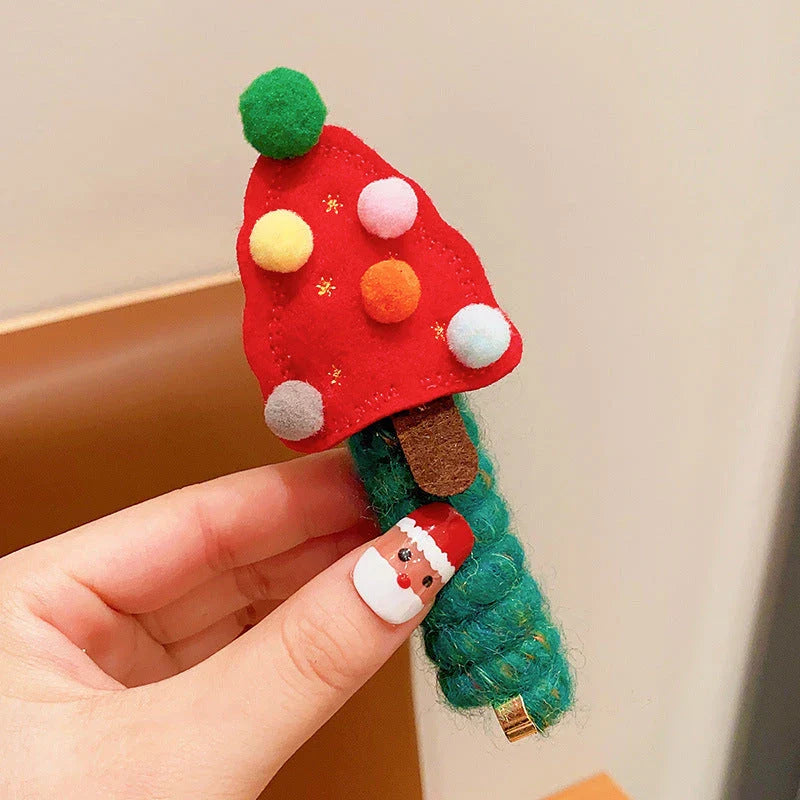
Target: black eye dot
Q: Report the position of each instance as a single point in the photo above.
(404, 554)
(427, 581)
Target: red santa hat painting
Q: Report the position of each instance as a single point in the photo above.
(403, 571)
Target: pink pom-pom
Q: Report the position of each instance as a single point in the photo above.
(388, 207)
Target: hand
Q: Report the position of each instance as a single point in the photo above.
(123, 673)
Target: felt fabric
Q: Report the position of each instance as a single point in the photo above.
(438, 450)
(387, 207)
(390, 290)
(311, 325)
(281, 241)
(282, 113)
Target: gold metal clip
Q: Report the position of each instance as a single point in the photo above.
(515, 720)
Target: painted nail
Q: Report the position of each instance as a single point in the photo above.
(406, 567)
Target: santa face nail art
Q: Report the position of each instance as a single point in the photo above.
(406, 567)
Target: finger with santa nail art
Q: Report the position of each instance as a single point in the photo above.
(403, 570)
(282, 679)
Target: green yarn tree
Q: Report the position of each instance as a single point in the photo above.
(489, 632)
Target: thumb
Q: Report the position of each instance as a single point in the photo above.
(257, 700)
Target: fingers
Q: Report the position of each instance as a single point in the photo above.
(271, 688)
(147, 556)
(273, 578)
(194, 649)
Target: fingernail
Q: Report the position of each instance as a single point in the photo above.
(403, 570)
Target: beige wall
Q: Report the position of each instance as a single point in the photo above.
(628, 172)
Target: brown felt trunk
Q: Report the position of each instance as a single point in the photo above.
(437, 447)
(105, 410)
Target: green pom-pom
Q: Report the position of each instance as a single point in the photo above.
(282, 113)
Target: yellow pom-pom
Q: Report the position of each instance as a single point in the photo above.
(390, 291)
(281, 241)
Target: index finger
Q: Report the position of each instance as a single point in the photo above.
(145, 556)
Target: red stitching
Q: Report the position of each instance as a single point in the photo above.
(335, 149)
(274, 325)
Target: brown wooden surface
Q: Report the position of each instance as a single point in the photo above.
(109, 409)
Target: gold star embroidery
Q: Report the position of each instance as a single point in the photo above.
(438, 330)
(325, 287)
(332, 203)
(335, 375)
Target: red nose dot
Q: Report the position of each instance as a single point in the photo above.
(403, 581)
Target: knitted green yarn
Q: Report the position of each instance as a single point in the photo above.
(489, 632)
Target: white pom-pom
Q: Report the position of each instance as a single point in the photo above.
(478, 335)
(387, 207)
(293, 411)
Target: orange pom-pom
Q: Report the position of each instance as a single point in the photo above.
(390, 291)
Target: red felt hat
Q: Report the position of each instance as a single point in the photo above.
(360, 300)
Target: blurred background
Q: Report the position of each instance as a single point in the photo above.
(628, 173)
